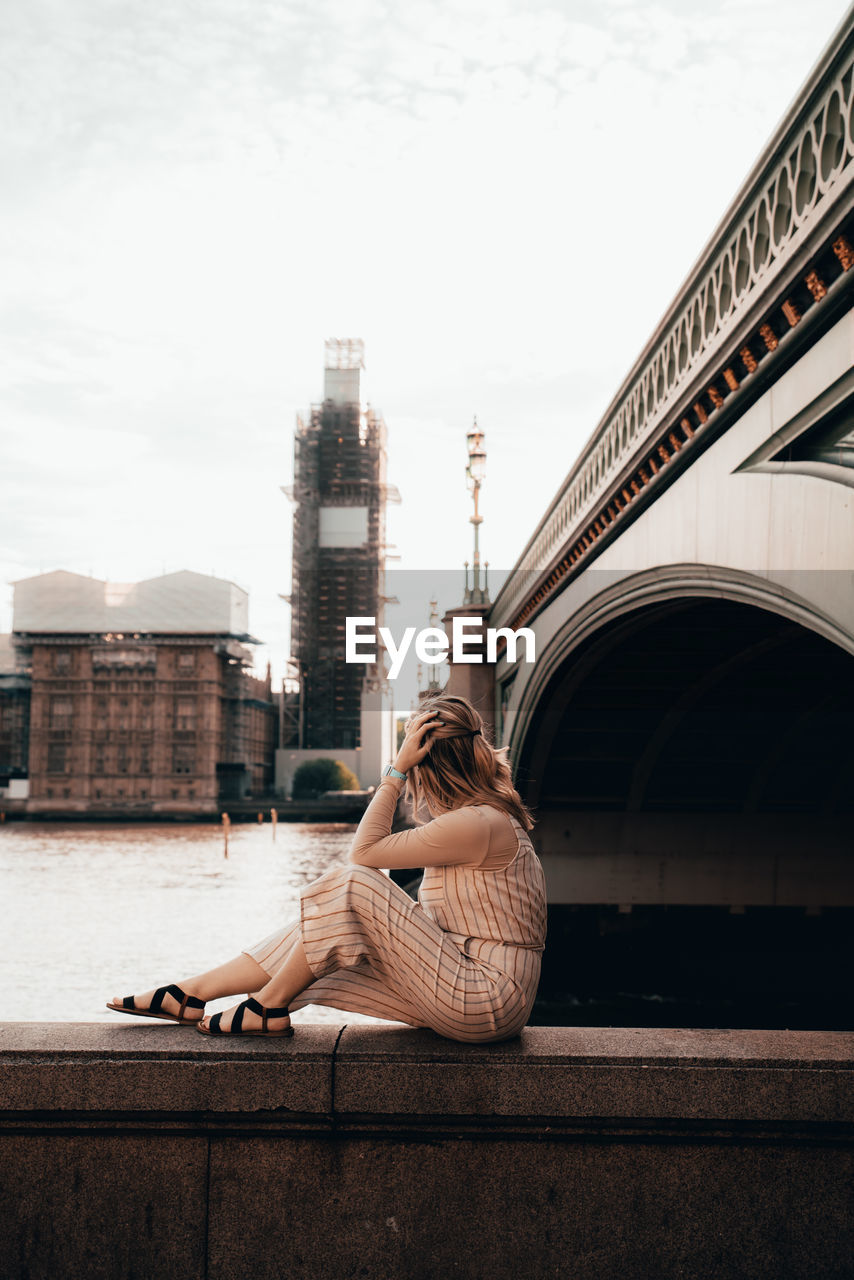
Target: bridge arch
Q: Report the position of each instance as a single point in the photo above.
(676, 643)
(685, 743)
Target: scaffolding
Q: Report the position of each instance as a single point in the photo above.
(339, 546)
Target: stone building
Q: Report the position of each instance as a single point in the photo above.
(142, 701)
(14, 726)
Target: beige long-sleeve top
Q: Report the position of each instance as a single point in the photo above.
(477, 836)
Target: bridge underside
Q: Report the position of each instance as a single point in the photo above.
(693, 706)
(690, 766)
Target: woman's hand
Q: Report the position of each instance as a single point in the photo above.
(420, 732)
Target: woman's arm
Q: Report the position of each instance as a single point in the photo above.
(461, 836)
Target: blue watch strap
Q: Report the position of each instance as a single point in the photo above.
(390, 770)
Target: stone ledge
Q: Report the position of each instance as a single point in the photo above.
(386, 1151)
(164, 1068)
(330, 1074)
(588, 1073)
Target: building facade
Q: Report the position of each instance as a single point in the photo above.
(133, 711)
(14, 726)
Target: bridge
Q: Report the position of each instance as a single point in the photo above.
(685, 733)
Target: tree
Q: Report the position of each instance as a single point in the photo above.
(324, 774)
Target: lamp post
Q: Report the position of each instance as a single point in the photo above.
(475, 475)
(469, 675)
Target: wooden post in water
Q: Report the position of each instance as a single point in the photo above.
(274, 818)
(226, 824)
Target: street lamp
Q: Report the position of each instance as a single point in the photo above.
(475, 475)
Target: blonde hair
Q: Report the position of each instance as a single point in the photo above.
(462, 766)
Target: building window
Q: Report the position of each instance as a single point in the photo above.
(57, 757)
(145, 714)
(186, 660)
(183, 759)
(66, 791)
(175, 793)
(143, 795)
(62, 662)
(100, 760)
(123, 760)
(145, 762)
(185, 714)
(61, 710)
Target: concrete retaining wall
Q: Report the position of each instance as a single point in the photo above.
(146, 1151)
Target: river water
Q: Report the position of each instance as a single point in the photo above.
(90, 912)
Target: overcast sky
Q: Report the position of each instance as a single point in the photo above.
(500, 198)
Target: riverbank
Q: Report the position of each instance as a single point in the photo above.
(340, 808)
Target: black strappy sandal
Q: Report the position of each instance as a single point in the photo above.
(155, 1009)
(236, 1028)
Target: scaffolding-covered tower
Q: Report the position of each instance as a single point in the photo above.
(339, 546)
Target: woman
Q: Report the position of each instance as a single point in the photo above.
(464, 959)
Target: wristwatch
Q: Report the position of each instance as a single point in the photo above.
(394, 773)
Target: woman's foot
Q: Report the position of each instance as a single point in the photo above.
(171, 1004)
(254, 1020)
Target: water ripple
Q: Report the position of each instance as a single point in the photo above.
(95, 911)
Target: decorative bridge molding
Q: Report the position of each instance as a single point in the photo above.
(782, 251)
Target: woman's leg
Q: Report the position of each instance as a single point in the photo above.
(229, 979)
(356, 918)
(354, 989)
(361, 941)
(276, 992)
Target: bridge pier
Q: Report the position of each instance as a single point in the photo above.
(475, 679)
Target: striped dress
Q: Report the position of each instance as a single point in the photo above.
(464, 959)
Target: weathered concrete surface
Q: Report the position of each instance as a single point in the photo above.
(480, 1209)
(102, 1207)
(159, 1067)
(574, 1073)
(380, 1152)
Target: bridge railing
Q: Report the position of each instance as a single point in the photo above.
(796, 192)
